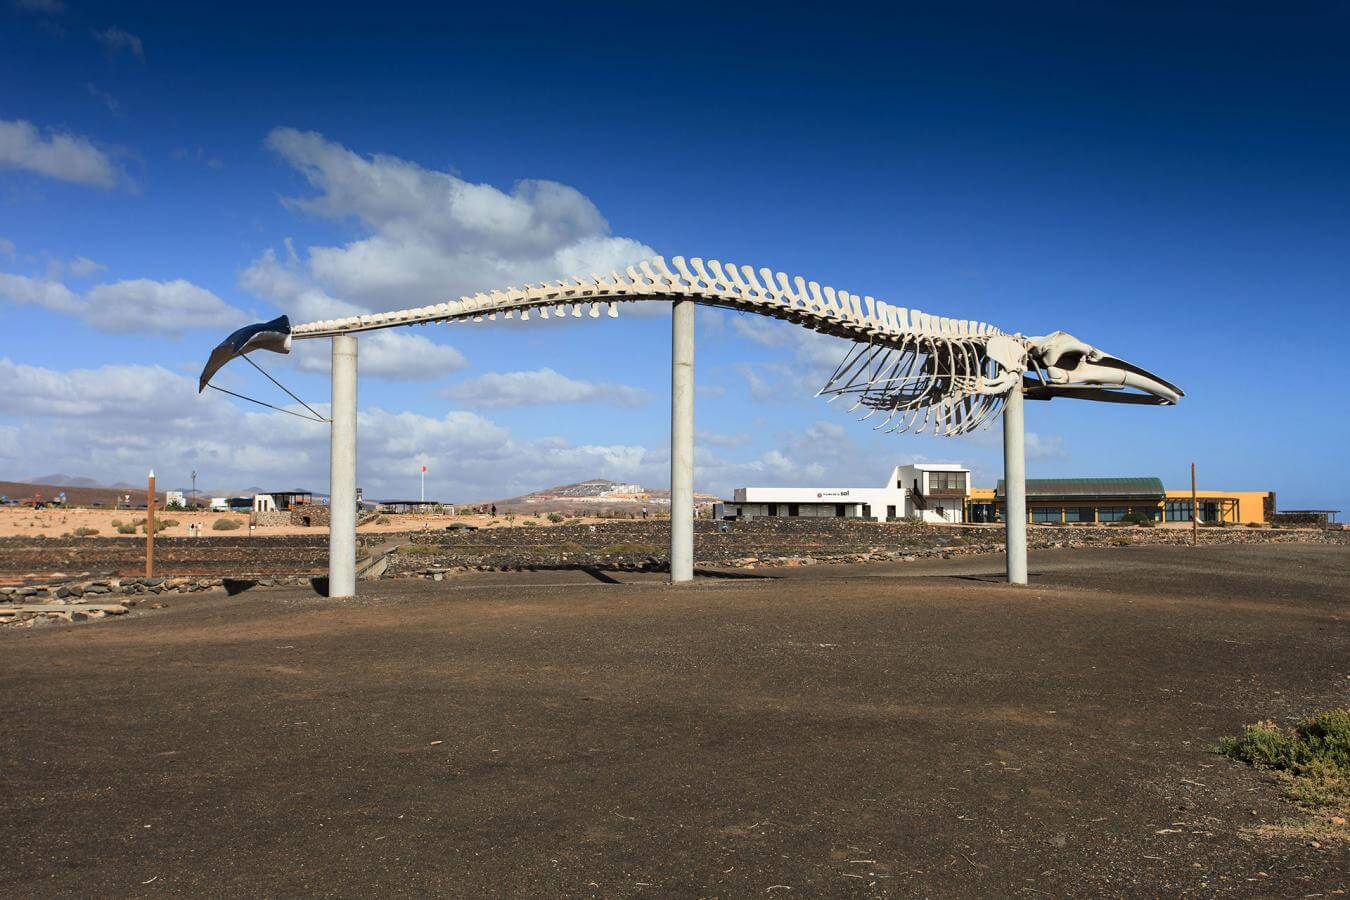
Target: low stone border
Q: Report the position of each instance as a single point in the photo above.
(97, 589)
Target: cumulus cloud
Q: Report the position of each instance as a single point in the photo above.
(396, 354)
(542, 387)
(149, 416)
(117, 39)
(432, 235)
(389, 354)
(84, 267)
(142, 304)
(719, 439)
(66, 157)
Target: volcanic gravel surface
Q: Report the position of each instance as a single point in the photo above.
(893, 729)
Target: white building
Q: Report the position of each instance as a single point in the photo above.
(932, 492)
(174, 498)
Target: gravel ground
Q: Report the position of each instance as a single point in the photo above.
(907, 729)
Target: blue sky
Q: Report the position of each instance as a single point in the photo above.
(1171, 185)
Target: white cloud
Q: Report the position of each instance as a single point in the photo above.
(116, 39)
(84, 267)
(107, 99)
(396, 354)
(718, 439)
(6, 248)
(109, 392)
(166, 307)
(432, 235)
(1045, 446)
(542, 387)
(115, 421)
(63, 156)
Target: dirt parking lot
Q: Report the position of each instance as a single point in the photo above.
(822, 731)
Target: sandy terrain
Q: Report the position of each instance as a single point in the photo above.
(56, 522)
(870, 731)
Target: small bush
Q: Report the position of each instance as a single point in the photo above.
(1315, 745)
(225, 525)
(126, 528)
(117, 523)
(1135, 518)
(85, 532)
(555, 518)
(572, 522)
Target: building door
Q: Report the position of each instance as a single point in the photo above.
(890, 511)
(867, 510)
(794, 509)
(773, 509)
(839, 510)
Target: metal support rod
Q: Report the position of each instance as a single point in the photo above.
(342, 471)
(1015, 486)
(682, 442)
(150, 526)
(1195, 511)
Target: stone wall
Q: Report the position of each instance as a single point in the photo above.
(28, 558)
(771, 541)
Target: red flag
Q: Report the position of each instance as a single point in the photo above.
(424, 470)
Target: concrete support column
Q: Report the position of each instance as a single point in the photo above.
(342, 471)
(1015, 486)
(682, 442)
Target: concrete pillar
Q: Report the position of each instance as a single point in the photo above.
(1015, 486)
(342, 471)
(682, 442)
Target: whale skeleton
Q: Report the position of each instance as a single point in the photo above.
(908, 370)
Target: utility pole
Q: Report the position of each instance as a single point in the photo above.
(194, 489)
(1195, 511)
(424, 484)
(150, 527)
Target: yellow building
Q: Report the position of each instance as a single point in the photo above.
(1103, 500)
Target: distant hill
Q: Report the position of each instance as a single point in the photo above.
(75, 494)
(61, 478)
(593, 496)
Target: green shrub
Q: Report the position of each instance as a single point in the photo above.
(555, 518)
(225, 525)
(117, 523)
(1317, 745)
(126, 528)
(1136, 518)
(85, 532)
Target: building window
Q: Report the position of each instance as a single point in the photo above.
(946, 481)
(1078, 514)
(1045, 513)
(890, 512)
(773, 509)
(1178, 510)
(1111, 513)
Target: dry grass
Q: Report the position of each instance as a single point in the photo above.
(1312, 762)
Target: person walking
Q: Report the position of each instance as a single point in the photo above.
(494, 510)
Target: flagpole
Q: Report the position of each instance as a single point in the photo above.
(424, 484)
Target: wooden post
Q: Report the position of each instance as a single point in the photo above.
(1195, 511)
(150, 527)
